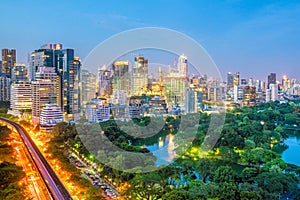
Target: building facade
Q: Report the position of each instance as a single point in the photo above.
(51, 115)
(21, 98)
(43, 91)
(67, 67)
(4, 87)
(121, 76)
(8, 61)
(19, 73)
(139, 76)
(88, 86)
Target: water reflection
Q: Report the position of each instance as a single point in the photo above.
(291, 155)
(163, 150)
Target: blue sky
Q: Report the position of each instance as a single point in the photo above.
(254, 37)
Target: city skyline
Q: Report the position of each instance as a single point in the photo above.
(150, 100)
(260, 35)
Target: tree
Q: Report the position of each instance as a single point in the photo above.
(205, 167)
(276, 165)
(249, 173)
(249, 144)
(250, 191)
(176, 195)
(224, 174)
(228, 191)
(10, 175)
(200, 190)
(145, 186)
(275, 184)
(229, 153)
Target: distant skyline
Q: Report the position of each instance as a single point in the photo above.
(252, 37)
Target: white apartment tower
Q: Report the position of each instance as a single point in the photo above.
(183, 65)
(274, 92)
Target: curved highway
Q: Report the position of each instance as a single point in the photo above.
(56, 188)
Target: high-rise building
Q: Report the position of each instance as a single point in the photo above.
(258, 85)
(183, 65)
(236, 78)
(8, 61)
(274, 92)
(19, 73)
(104, 82)
(74, 90)
(43, 91)
(4, 87)
(230, 78)
(88, 86)
(271, 79)
(286, 83)
(67, 67)
(191, 103)
(244, 81)
(216, 93)
(40, 58)
(139, 77)
(121, 78)
(237, 93)
(268, 95)
(251, 82)
(21, 98)
(249, 95)
(175, 88)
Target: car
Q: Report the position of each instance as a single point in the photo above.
(96, 185)
(103, 187)
(79, 164)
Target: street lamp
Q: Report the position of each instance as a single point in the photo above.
(263, 124)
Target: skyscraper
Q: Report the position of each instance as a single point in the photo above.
(216, 93)
(274, 92)
(286, 83)
(19, 73)
(175, 88)
(67, 67)
(230, 78)
(88, 86)
(43, 91)
(271, 79)
(121, 76)
(8, 61)
(139, 77)
(236, 79)
(4, 87)
(21, 98)
(244, 81)
(40, 58)
(183, 65)
(249, 95)
(104, 82)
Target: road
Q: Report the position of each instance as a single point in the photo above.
(36, 185)
(110, 191)
(55, 187)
